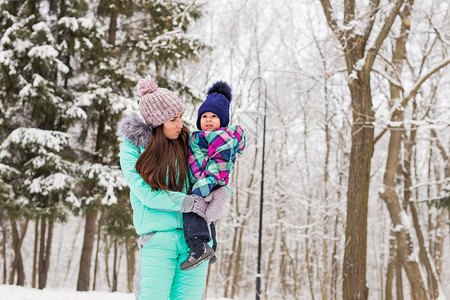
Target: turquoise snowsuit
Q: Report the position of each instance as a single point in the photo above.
(157, 217)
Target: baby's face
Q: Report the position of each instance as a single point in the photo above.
(209, 121)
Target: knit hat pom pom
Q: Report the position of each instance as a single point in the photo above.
(146, 86)
(221, 87)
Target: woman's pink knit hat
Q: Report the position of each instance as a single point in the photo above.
(157, 105)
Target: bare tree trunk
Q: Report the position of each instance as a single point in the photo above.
(396, 211)
(113, 26)
(237, 273)
(99, 230)
(35, 252)
(389, 195)
(114, 284)
(334, 262)
(15, 243)
(131, 261)
(354, 266)
(86, 253)
(390, 268)
(325, 172)
(107, 249)
(4, 237)
(292, 259)
(270, 260)
(77, 231)
(307, 255)
(433, 284)
(17, 265)
(44, 251)
(354, 49)
(48, 250)
(439, 243)
(20, 270)
(228, 273)
(398, 277)
(41, 283)
(443, 214)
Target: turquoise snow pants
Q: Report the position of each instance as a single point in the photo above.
(159, 277)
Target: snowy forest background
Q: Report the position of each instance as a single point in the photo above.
(356, 191)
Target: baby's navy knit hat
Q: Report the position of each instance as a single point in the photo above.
(217, 102)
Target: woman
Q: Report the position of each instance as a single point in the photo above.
(154, 161)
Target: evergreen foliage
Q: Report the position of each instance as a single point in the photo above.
(441, 202)
(67, 74)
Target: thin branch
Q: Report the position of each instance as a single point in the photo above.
(328, 11)
(349, 11)
(378, 137)
(414, 92)
(419, 84)
(391, 80)
(372, 53)
(373, 10)
(439, 145)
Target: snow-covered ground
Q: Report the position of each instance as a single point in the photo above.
(13, 292)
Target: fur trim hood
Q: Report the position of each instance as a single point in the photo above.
(135, 129)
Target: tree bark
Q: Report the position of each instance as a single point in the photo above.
(35, 252)
(391, 268)
(20, 269)
(354, 265)
(4, 240)
(107, 249)
(433, 282)
(113, 26)
(44, 251)
(309, 270)
(354, 48)
(334, 262)
(131, 261)
(396, 211)
(114, 283)
(17, 265)
(41, 283)
(443, 215)
(48, 250)
(398, 277)
(15, 244)
(86, 253)
(99, 230)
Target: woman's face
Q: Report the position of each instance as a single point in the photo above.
(172, 128)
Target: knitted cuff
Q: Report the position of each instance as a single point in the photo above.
(188, 203)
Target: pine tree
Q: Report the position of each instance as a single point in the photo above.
(66, 77)
(34, 121)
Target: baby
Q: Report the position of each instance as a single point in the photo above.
(212, 155)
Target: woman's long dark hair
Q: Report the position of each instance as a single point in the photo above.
(164, 163)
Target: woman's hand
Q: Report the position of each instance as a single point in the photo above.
(217, 203)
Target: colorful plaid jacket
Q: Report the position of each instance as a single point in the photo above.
(212, 155)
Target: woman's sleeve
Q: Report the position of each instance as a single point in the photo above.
(174, 201)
